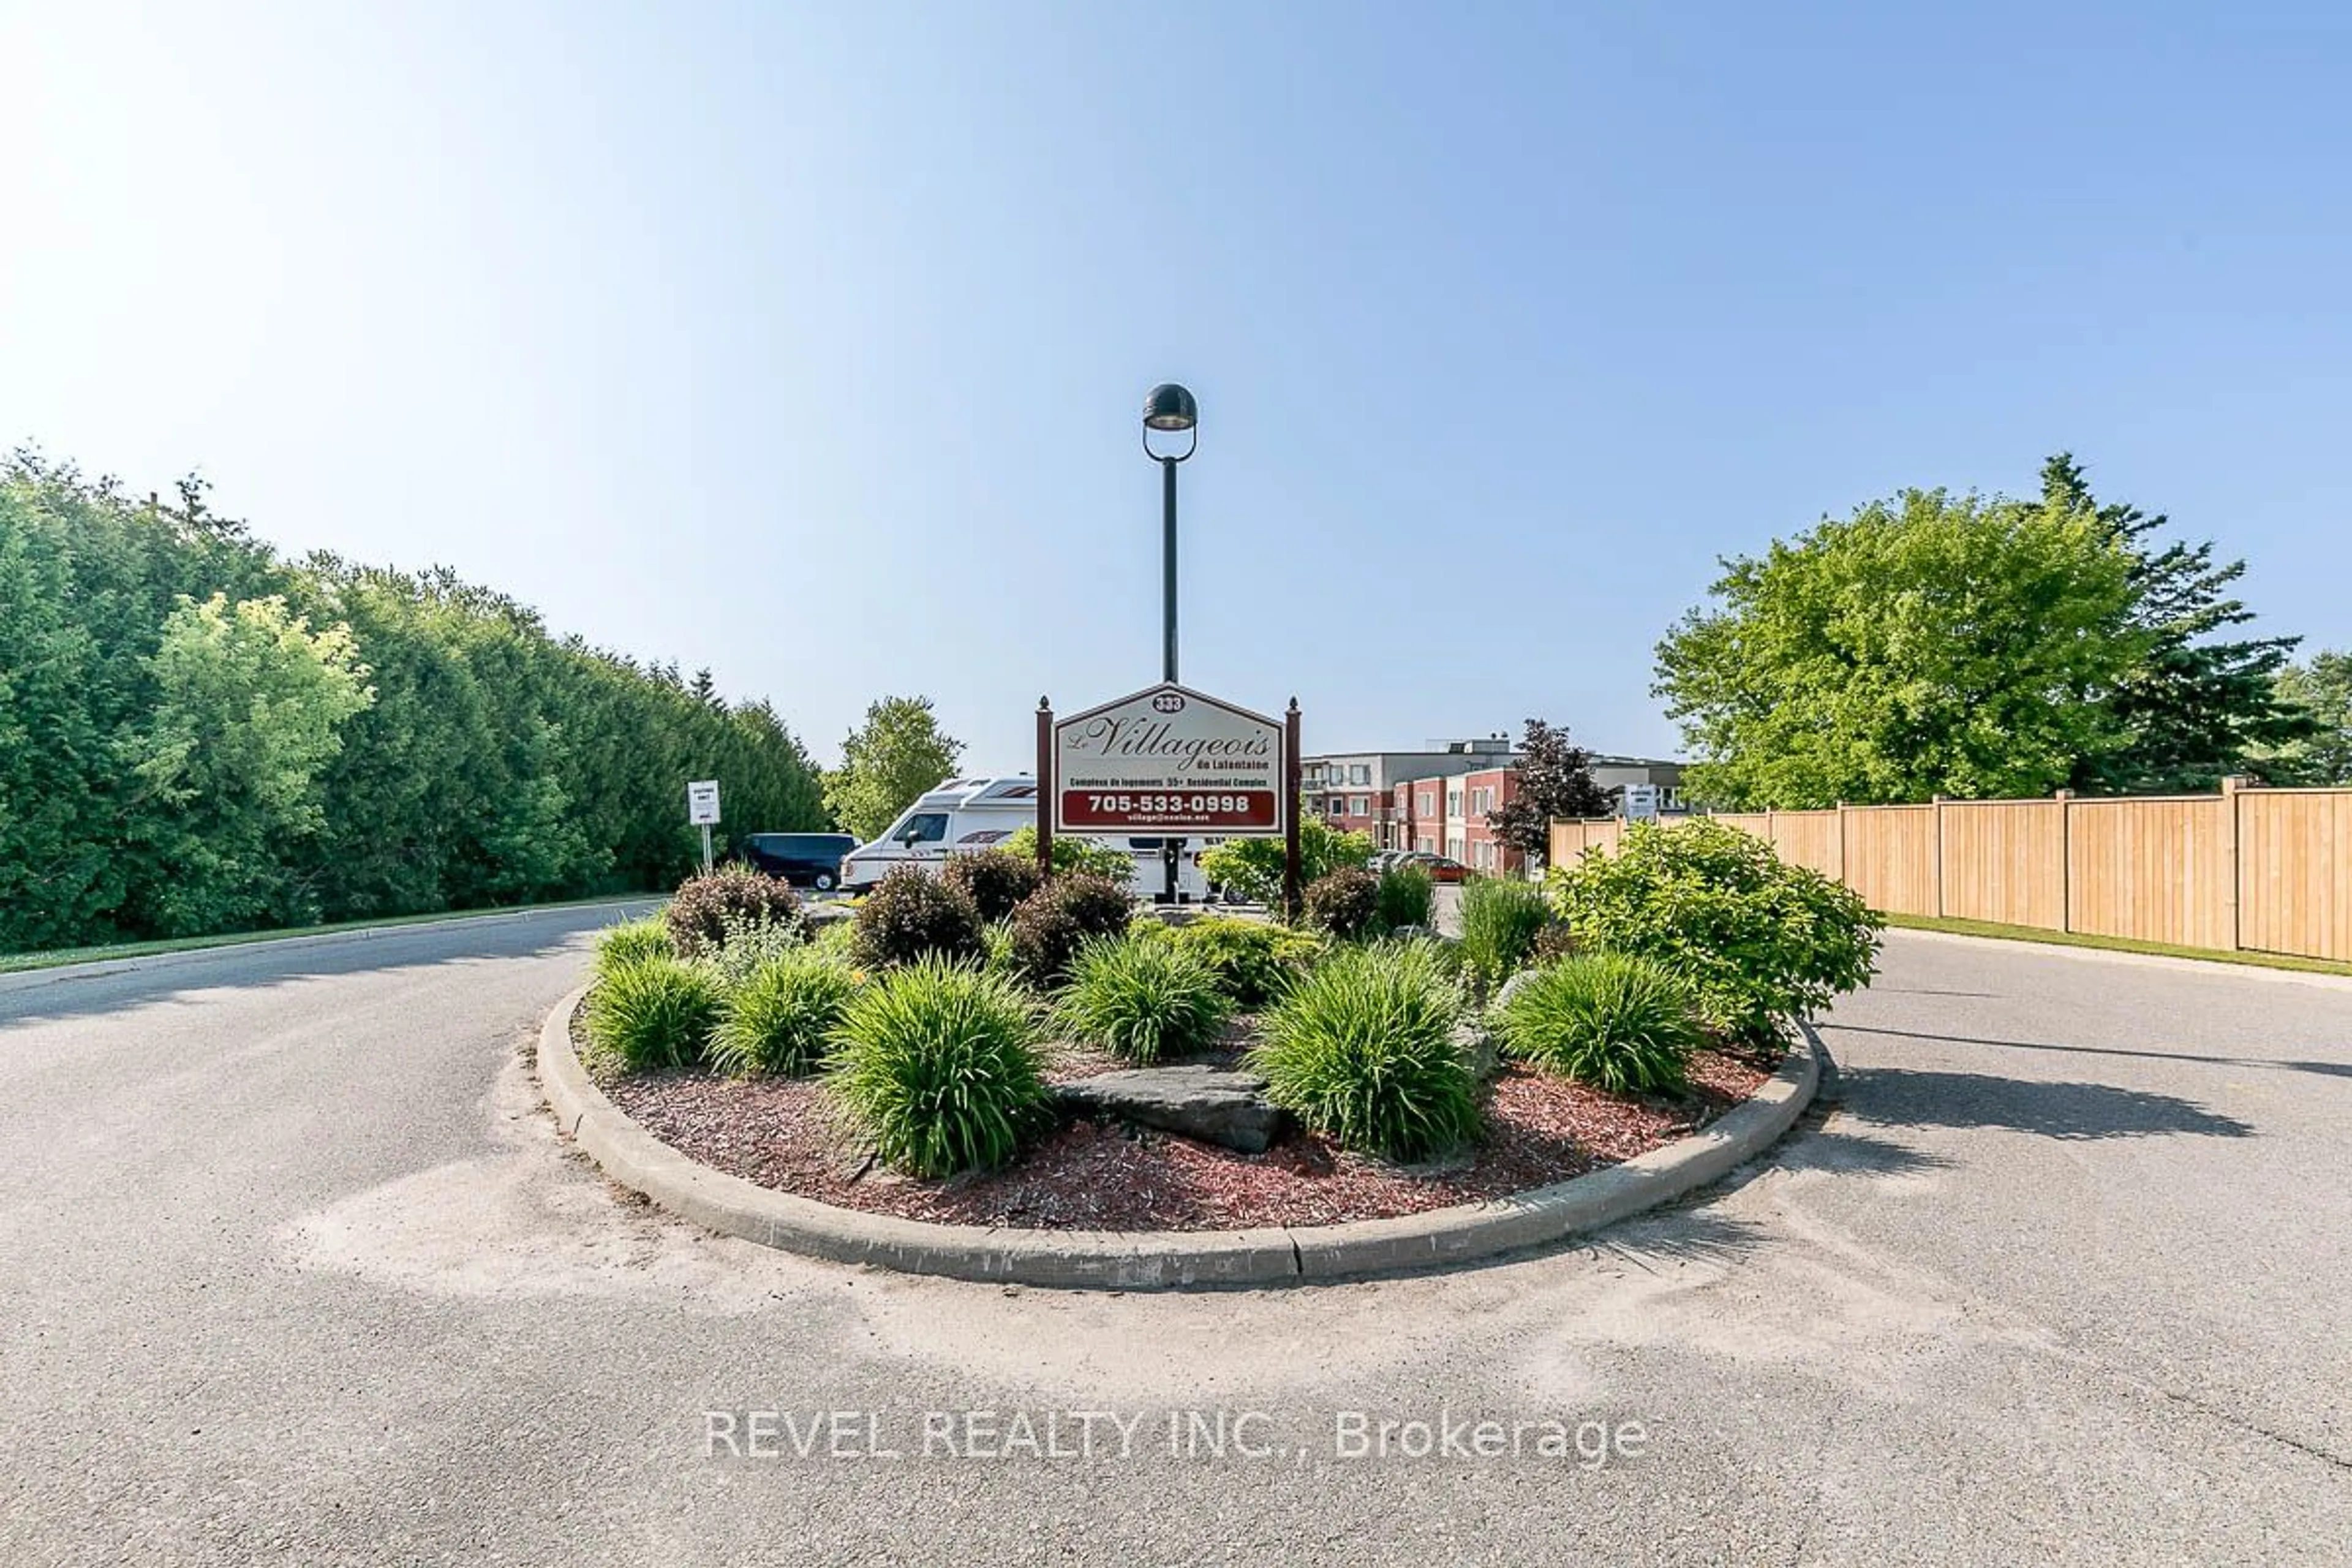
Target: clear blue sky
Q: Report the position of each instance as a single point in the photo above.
(807, 342)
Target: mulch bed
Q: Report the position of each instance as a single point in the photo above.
(1105, 1175)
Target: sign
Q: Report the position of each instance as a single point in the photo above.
(702, 804)
(1168, 761)
(1641, 803)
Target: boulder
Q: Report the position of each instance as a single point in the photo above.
(1212, 1104)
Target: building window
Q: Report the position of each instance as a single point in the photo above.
(1426, 846)
(1360, 774)
(1362, 807)
(1454, 800)
(1428, 804)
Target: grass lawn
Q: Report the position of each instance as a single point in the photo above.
(13, 962)
(2117, 944)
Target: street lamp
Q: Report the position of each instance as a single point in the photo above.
(1170, 411)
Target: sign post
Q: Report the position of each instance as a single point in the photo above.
(1168, 761)
(702, 811)
(1044, 787)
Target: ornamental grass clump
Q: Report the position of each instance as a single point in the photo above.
(653, 1013)
(1143, 996)
(1619, 1023)
(938, 1065)
(1759, 940)
(778, 1020)
(1501, 919)
(631, 941)
(1363, 1049)
(1407, 894)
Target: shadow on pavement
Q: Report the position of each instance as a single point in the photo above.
(2332, 1069)
(1907, 1097)
(260, 966)
(1842, 1149)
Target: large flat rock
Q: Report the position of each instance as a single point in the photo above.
(1212, 1104)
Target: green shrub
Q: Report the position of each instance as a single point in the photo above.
(1073, 856)
(1407, 895)
(1501, 919)
(1252, 867)
(1142, 997)
(1759, 940)
(1255, 961)
(631, 941)
(700, 914)
(938, 1065)
(836, 939)
(1344, 902)
(1363, 1049)
(1059, 918)
(911, 913)
(995, 881)
(1554, 942)
(656, 1012)
(779, 1018)
(1619, 1023)
(749, 944)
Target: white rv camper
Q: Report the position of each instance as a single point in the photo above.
(964, 815)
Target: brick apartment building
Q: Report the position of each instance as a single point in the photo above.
(1353, 791)
(1447, 813)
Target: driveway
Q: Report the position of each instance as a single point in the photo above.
(296, 1268)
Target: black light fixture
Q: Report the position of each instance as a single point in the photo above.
(1170, 407)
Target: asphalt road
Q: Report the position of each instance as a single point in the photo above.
(293, 1268)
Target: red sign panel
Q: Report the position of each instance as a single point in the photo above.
(1204, 810)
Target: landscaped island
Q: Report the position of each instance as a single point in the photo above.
(987, 1046)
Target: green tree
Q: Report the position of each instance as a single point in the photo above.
(895, 755)
(250, 701)
(1925, 645)
(1555, 780)
(2198, 704)
(2321, 691)
(1252, 867)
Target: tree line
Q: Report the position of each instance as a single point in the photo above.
(1933, 644)
(199, 736)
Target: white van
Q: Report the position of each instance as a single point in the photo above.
(965, 815)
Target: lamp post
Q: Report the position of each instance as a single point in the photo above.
(1170, 410)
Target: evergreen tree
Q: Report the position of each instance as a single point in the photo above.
(2198, 706)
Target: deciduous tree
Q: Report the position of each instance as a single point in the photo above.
(1927, 644)
(895, 755)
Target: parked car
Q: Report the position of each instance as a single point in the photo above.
(1441, 867)
(804, 859)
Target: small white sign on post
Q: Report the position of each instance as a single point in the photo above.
(1641, 803)
(702, 811)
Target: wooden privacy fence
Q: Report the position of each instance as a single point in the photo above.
(2266, 871)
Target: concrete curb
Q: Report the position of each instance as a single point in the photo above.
(26, 979)
(1139, 1261)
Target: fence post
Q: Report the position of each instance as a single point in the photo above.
(2230, 788)
(1938, 802)
(1841, 871)
(2065, 799)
